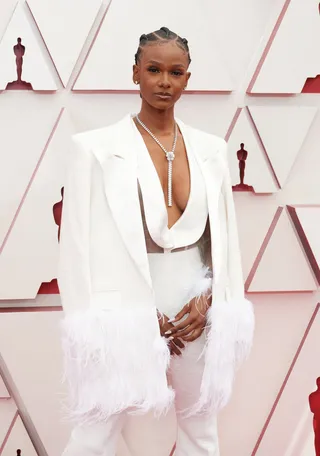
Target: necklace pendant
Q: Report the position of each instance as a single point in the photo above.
(170, 156)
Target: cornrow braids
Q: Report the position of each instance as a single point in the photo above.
(164, 34)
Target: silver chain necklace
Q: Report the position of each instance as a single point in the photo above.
(169, 154)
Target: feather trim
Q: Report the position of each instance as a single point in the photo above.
(115, 360)
(229, 339)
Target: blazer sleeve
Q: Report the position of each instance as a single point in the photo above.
(74, 265)
(230, 318)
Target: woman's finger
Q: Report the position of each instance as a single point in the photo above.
(194, 335)
(184, 311)
(174, 350)
(180, 326)
(187, 331)
(178, 342)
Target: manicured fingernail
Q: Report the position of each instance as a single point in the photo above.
(170, 338)
(172, 320)
(167, 333)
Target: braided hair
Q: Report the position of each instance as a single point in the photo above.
(164, 34)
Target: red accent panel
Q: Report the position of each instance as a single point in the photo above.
(312, 85)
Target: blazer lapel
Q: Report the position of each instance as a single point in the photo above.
(206, 152)
(116, 154)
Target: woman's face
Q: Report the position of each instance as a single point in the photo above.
(162, 73)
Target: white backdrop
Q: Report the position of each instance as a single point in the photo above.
(250, 63)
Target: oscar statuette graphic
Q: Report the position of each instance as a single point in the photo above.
(52, 287)
(314, 402)
(242, 156)
(19, 51)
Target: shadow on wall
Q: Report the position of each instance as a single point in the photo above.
(314, 401)
(19, 51)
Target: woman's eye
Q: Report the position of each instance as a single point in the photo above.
(177, 73)
(153, 69)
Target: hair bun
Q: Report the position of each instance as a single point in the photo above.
(166, 30)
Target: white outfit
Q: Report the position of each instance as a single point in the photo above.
(111, 287)
(173, 273)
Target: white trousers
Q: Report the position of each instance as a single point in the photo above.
(195, 436)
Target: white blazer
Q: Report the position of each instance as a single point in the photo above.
(115, 357)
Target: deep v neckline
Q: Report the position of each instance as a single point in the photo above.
(158, 181)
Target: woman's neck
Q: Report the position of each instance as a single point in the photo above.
(160, 122)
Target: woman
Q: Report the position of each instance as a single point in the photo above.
(150, 271)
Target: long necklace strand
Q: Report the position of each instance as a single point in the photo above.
(169, 154)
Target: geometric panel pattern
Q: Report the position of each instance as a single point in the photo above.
(18, 438)
(190, 19)
(255, 214)
(293, 57)
(282, 130)
(307, 223)
(8, 416)
(278, 221)
(291, 409)
(35, 387)
(60, 15)
(15, 161)
(258, 172)
(283, 265)
(34, 230)
(281, 322)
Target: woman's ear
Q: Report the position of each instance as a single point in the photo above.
(135, 75)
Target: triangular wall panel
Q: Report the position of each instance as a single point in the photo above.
(109, 64)
(283, 130)
(35, 231)
(7, 9)
(283, 266)
(293, 57)
(73, 19)
(19, 439)
(292, 414)
(307, 222)
(257, 172)
(8, 412)
(36, 69)
(36, 121)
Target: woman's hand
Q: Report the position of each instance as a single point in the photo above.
(192, 327)
(175, 344)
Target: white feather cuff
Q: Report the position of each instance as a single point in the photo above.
(229, 339)
(115, 360)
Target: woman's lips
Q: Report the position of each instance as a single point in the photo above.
(163, 97)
